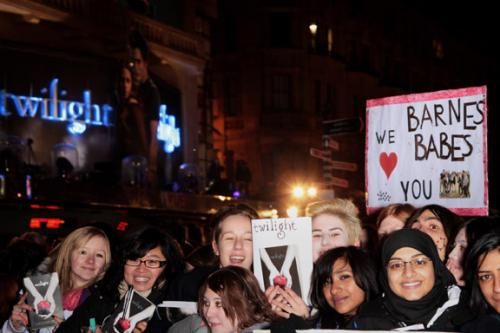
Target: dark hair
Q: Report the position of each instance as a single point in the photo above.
(137, 41)
(242, 298)
(451, 222)
(136, 245)
(226, 211)
(484, 245)
(202, 256)
(398, 210)
(365, 276)
(475, 228)
(21, 258)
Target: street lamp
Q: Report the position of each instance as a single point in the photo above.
(298, 192)
(312, 192)
(313, 28)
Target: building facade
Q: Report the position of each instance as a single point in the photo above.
(287, 72)
(81, 44)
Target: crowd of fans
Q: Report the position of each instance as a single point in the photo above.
(426, 269)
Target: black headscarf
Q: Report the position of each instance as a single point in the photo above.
(422, 310)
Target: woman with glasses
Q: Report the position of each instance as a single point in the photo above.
(149, 259)
(418, 291)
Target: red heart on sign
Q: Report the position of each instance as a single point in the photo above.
(388, 162)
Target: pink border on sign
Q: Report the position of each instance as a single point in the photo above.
(442, 94)
(485, 149)
(367, 122)
(458, 211)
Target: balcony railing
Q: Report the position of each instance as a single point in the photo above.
(170, 37)
(111, 14)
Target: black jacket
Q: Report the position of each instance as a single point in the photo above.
(485, 323)
(375, 316)
(185, 286)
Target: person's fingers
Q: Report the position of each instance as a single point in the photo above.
(22, 299)
(272, 293)
(293, 303)
(20, 310)
(278, 308)
(19, 318)
(286, 297)
(140, 327)
(269, 291)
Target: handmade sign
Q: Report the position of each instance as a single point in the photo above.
(282, 253)
(428, 148)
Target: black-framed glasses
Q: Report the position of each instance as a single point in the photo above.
(149, 263)
(398, 265)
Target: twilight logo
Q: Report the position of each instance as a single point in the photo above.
(41, 283)
(76, 114)
(167, 132)
(280, 226)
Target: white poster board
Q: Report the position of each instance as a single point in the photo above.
(349, 331)
(428, 148)
(282, 253)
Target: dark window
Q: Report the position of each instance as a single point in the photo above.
(230, 34)
(280, 92)
(331, 102)
(358, 106)
(281, 27)
(202, 24)
(317, 96)
(231, 96)
(438, 47)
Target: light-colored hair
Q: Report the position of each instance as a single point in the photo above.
(344, 209)
(74, 240)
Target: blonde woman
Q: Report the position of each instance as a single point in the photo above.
(335, 223)
(81, 260)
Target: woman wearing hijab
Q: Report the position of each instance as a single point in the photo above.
(418, 291)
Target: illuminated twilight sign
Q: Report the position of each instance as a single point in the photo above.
(167, 131)
(77, 114)
(80, 114)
